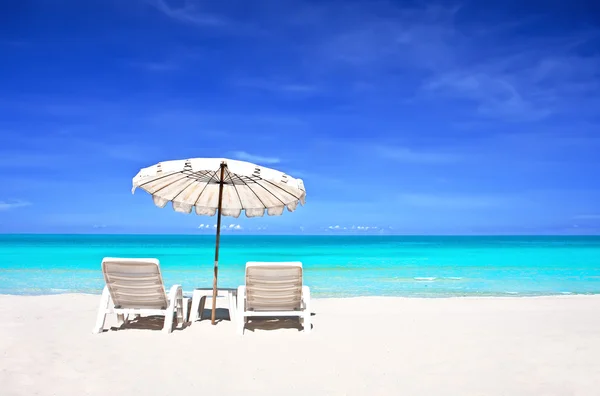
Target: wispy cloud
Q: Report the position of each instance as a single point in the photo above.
(492, 95)
(189, 12)
(88, 150)
(408, 155)
(525, 80)
(587, 217)
(487, 66)
(259, 159)
(272, 85)
(451, 201)
(155, 66)
(9, 205)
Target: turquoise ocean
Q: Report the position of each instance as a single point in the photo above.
(335, 266)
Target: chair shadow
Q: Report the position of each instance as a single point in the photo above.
(153, 322)
(275, 323)
(156, 322)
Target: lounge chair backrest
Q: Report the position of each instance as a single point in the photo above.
(273, 286)
(135, 283)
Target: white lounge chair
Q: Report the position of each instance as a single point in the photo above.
(273, 290)
(134, 286)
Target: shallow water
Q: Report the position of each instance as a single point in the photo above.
(335, 266)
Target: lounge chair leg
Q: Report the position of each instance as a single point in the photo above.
(240, 310)
(232, 306)
(102, 310)
(175, 297)
(179, 308)
(307, 313)
(168, 326)
(185, 302)
(201, 307)
(307, 324)
(195, 307)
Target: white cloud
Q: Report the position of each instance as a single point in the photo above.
(188, 13)
(230, 227)
(6, 205)
(404, 154)
(259, 159)
(366, 228)
(354, 227)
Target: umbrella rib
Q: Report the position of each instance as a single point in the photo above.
(158, 178)
(183, 189)
(235, 189)
(170, 184)
(253, 192)
(267, 190)
(282, 189)
(207, 183)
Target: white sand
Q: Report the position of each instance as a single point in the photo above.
(361, 346)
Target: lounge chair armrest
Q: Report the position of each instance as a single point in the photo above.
(305, 292)
(176, 291)
(306, 297)
(241, 298)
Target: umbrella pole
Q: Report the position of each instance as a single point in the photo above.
(214, 299)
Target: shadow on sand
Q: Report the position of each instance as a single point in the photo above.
(274, 323)
(156, 322)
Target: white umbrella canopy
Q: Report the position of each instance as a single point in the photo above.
(220, 186)
(194, 184)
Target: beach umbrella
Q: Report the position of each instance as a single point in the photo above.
(220, 186)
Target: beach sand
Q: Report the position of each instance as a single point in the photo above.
(359, 346)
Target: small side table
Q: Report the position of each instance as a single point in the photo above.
(199, 300)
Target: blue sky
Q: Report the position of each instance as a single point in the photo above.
(404, 117)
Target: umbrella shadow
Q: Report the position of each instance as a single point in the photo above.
(221, 314)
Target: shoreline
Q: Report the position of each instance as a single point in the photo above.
(317, 297)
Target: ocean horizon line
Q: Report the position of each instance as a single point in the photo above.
(348, 234)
